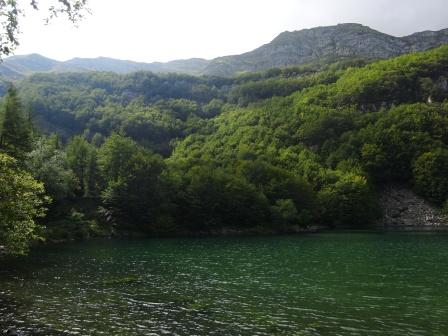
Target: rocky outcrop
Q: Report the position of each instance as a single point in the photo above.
(425, 40)
(403, 209)
(288, 48)
(343, 40)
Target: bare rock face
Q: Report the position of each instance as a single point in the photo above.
(287, 49)
(403, 209)
(343, 40)
(425, 40)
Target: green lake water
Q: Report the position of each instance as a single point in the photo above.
(318, 284)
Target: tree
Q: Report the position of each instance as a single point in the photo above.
(284, 212)
(348, 202)
(431, 175)
(375, 162)
(211, 199)
(277, 184)
(49, 165)
(11, 11)
(130, 175)
(21, 202)
(15, 131)
(81, 157)
(114, 157)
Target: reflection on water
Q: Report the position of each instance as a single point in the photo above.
(324, 284)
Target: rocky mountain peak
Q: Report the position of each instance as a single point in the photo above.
(342, 40)
(287, 49)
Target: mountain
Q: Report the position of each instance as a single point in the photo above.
(349, 39)
(18, 67)
(288, 48)
(192, 66)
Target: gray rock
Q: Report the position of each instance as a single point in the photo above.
(395, 214)
(403, 208)
(343, 40)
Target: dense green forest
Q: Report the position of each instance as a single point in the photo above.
(93, 154)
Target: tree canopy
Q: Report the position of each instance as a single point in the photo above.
(22, 201)
(277, 151)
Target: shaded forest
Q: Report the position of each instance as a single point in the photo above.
(95, 154)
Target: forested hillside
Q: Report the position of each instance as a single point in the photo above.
(274, 151)
(154, 109)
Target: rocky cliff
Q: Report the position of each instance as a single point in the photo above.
(343, 40)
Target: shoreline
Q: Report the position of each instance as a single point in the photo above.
(230, 233)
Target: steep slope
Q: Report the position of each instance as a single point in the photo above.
(289, 48)
(371, 127)
(425, 40)
(349, 39)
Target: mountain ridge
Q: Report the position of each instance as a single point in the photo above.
(343, 40)
(18, 67)
(288, 48)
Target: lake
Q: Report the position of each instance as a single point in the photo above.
(317, 284)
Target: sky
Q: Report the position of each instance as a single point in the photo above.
(164, 30)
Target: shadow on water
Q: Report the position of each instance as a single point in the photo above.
(9, 309)
(17, 270)
(344, 283)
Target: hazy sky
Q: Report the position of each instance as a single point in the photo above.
(162, 30)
